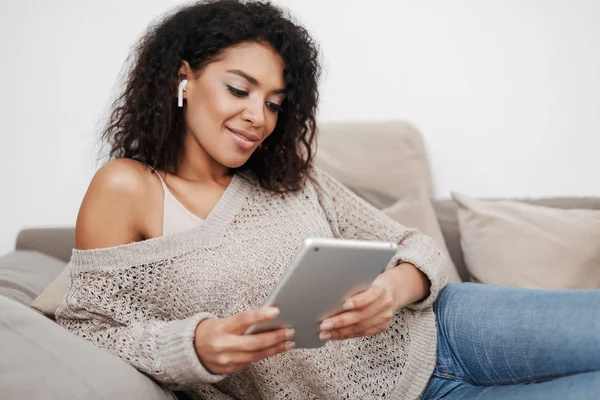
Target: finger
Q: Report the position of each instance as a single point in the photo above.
(224, 355)
(354, 332)
(243, 358)
(382, 317)
(224, 364)
(261, 341)
(363, 299)
(380, 305)
(242, 321)
(271, 351)
(369, 332)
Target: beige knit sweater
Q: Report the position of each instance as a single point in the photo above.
(142, 301)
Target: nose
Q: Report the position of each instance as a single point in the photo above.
(255, 112)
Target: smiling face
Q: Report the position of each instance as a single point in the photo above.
(232, 105)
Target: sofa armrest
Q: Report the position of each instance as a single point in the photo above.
(41, 360)
(55, 242)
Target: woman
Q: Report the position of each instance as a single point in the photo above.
(211, 192)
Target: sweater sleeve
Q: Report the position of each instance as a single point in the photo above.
(351, 217)
(164, 350)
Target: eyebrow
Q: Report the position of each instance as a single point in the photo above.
(252, 80)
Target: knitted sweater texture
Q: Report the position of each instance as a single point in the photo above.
(142, 301)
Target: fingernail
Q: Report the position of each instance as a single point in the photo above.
(325, 326)
(324, 335)
(289, 333)
(290, 345)
(271, 312)
(349, 305)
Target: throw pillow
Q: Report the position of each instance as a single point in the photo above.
(47, 302)
(387, 156)
(522, 245)
(417, 212)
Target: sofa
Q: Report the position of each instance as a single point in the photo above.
(39, 359)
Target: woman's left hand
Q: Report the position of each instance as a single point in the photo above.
(366, 313)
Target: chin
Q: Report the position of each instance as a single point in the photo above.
(233, 160)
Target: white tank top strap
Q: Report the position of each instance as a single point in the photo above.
(162, 182)
(176, 218)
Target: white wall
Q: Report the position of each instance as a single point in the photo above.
(506, 92)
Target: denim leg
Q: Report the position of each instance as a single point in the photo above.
(494, 335)
(584, 386)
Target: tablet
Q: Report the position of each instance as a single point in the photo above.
(323, 274)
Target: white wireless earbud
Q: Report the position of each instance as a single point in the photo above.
(180, 91)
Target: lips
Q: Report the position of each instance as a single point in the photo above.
(244, 140)
(244, 134)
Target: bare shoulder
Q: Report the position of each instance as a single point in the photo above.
(123, 176)
(113, 206)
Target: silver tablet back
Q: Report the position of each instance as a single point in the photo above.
(323, 274)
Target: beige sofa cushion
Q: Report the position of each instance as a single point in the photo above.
(388, 157)
(417, 212)
(24, 274)
(522, 245)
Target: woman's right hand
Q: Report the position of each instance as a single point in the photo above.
(223, 348)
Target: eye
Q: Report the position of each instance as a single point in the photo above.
(237, 92)
(274, 107)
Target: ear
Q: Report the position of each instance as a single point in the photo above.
(185, 71)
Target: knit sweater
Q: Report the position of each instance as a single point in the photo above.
(142, 301)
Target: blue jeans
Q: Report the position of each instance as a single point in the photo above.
(496, 342)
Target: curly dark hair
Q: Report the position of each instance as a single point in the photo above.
(146, 124)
